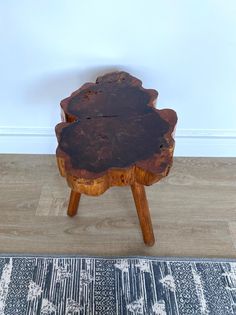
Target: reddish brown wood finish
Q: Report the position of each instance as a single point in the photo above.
(73, 203)
(112, 135)
(141, 204)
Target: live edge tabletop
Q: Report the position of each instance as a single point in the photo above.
(112, 135)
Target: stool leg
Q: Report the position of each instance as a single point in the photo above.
(73, 203)
(141, 204)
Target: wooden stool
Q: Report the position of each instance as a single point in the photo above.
(112, 135)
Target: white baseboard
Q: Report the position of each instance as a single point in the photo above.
(189, 142)
(27, 140)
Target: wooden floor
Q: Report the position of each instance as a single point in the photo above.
(193, 211)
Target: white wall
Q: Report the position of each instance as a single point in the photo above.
(184, 49)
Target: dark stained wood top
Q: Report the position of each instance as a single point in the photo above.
(112, 124)
(115, 94)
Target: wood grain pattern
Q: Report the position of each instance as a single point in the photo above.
(141, 204)
(73, 203)
(114, 136)
(232, 229)
(192, 210)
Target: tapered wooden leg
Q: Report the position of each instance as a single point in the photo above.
(141, 204)
(73, 203)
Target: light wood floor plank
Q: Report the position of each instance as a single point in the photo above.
(193, 211)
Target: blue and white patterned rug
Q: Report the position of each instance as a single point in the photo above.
(119, 286)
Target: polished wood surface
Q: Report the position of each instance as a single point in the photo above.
(193, 211)
(141, 204)
(113, 135)
(113, 131)
(73, 203)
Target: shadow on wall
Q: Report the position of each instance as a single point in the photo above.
(52, 88)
